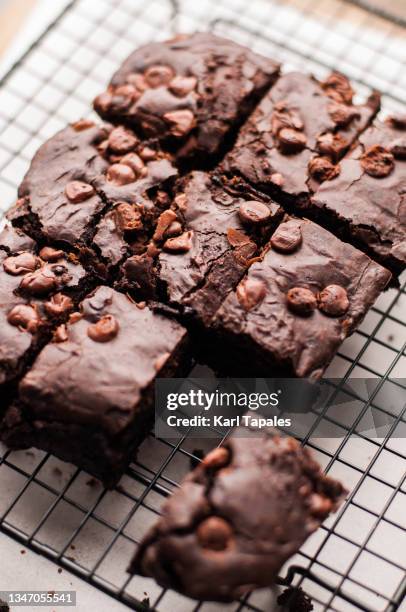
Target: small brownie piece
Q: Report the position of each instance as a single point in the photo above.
(366, 202)
(292, 310)
(201, 246)
(297, 135)
(191, 91)
(238, 517)
(79, 175)
(37, 289)
(88, 396)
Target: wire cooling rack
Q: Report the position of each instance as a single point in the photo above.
(356, 561)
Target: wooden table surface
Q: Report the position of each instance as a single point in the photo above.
(12, 16)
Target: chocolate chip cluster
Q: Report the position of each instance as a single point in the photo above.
(44, 276)
(157, 87)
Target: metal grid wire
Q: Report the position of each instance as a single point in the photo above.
(356, 561)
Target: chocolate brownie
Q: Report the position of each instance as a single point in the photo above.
(38, 287)
(297, 304)
(238, 517)
(87, 398)
(79, 175)
(190, 92)
(201, 247)
(297, 135)
(366, 201)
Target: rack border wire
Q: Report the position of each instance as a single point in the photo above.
(155, 479)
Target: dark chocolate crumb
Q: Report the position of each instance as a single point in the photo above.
(294, 599)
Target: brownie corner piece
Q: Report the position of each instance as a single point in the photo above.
(297, 134)
(366, 201)
(88, 396)
(189, 91)
(295, 306)
(238, 517)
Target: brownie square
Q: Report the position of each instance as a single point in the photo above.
(190, 92)
(38, 288)
(366, 201)
(201, 247)
(296, 305)
(88, 396)
(297, 134)
(80, 175)
(238, 517)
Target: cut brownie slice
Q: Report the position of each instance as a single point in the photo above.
(37, 289)
(79, 175)
(202, 246)
(238, 517)
(294, 307)
(366, 202)
(88, 396)
(191, 91)
(297, 134)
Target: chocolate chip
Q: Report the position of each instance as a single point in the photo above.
(217, 458)
(82, 124)
(158, 75)
(285, 117)
(174, 229)
(291, 141)
(136, 164)
(127, 217)
(128, 91)
(333, 300)
(398, 122)
(165, 219)
(21, 264)
(341, 114)
(50, 254)
(214, 533)
(78, 191)
(147, 154)
(59, 304)
(103, 102)
(320, 506)
(287, 237)
(122, 141)
(398, 148)
(39, 283)
(60, 334)
(138, 81)
(25, 317)
(301, 301)
(120, 174)
(331, 145)
(59, 270)
(377, 161)
(250, 292)
(254, 212)
(182, 86)
(120, 104)
(323, 169)
(338, 87)
(179, 244)
(181, 122)
(104, 330)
